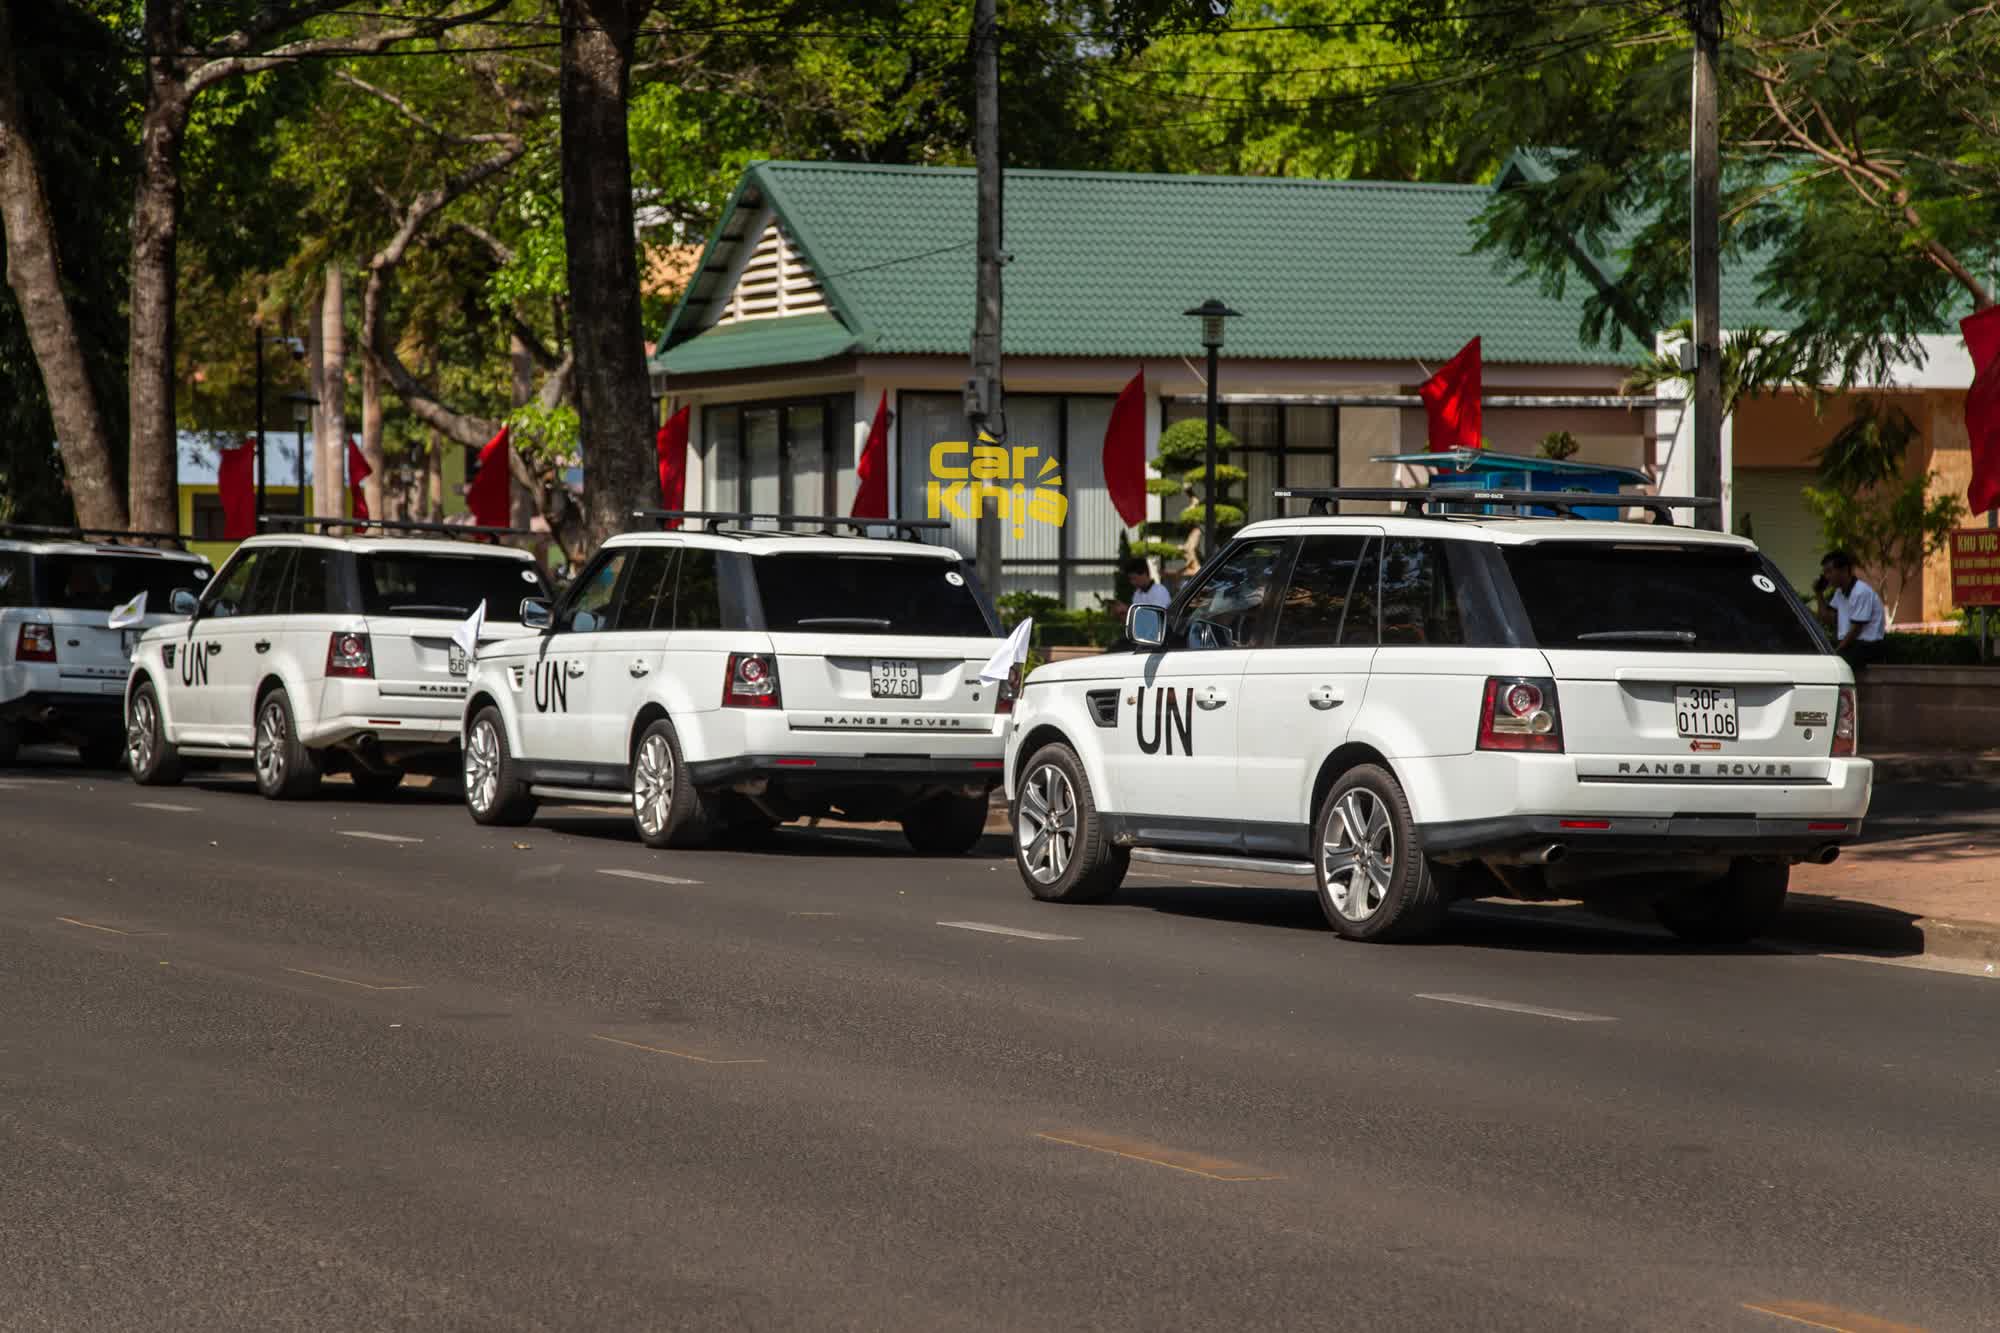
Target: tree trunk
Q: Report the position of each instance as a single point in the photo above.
(152, 480)
(434, 479)
(34, 271)
(371, 436)
(330, 430)
(613, 393)
(521, 498)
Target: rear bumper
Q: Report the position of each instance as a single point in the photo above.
(351, 708)
(93, 707)
(1627, 836)
(839, 770)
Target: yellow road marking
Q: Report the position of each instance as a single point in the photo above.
(92, 925)
(1196, 1164)
(346, 981)
(1815, 1315)
(661, 1050)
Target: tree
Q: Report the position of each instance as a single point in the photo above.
(1870, 505)
(1183, 468)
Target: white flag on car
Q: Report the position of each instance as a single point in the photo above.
(999, 666)
(466, 636)
(131, 613)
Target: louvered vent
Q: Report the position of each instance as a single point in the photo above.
(777, 281)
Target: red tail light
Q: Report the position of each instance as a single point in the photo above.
(37, 643)
(1520, 714)
(347, 654)
(1847, 725)
(1010, 689)
(750, 681)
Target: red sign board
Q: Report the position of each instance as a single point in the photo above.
(1975, 567)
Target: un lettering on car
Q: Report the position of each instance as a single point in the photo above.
(552, 686)
(1173, 714)
(194, 665)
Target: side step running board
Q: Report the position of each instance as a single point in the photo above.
(216, 752)
(585, 795)
(1216, 861)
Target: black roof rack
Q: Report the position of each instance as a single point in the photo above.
(60, 532)
(711, 520)
(392, 525)
(1428, 502)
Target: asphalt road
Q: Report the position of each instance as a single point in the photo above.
(359, 1065)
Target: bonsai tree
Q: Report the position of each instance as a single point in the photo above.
(1559, 444)
(1183, 452)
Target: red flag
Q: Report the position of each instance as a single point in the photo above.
(1451, 401)
(871, 496)
(358, 471)
(671, 445)
(236, 482)
(487, 495)
(1125, 452)
(1982, 407)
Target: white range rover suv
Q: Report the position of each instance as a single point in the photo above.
(62, 663)
(310, 653)
(724, 680)
(1416, 708)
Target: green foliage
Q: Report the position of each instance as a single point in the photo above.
(1960, 649)
(1755, 361)
(1559, 444)
(1184, 445)
(1867, 505)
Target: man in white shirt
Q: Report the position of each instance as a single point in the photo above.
(1856, 611)
(1146, 590)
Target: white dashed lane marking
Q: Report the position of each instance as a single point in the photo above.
(162, 805)
(650, 878)
(1534, 1010)
(991, 929)
(377, 837)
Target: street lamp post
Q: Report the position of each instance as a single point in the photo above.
(1211, 313)
(302, 406)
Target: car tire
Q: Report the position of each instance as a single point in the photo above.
(1053, 810)
(493, 795)
(374, 785)
(10, 743)
(287, 769)
(1374, 881)
(667, 809)
(1733, 910)
(947, 824)
(149, 757)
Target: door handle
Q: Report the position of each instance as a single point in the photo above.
(638, 667)
(213, 647)
(1325, 696)
(573, 669)
(1211, 696)
(263, 645)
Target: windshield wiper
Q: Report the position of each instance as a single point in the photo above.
(1640, 635)
(876, 621)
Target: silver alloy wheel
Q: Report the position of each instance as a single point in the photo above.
(653, 784)
(271, 729)
(1046, 826)
(140, 736)
(1358, 856)
(482, 766)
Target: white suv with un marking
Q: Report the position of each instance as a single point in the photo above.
(1410, 709)
(62, 663)
(310, 653)
(726, 680)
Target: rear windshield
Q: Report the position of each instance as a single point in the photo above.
(867, 594)
(1657, 598)
(105, 582)
(424, 584)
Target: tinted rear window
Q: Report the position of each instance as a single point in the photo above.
(1657, 598)
(399, 583)
(102, 582)
(858, 594)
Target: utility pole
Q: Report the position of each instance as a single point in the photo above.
(257, 332)
(1706, 201)
(984, 410)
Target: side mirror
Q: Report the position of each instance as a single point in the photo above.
(183, 602)
(1146, 626)
(535, 613)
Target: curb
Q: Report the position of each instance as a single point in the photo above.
(1944, 766)
(1834, 924)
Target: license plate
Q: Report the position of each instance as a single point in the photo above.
(1705, 712)
(890, 679)
(457, 661)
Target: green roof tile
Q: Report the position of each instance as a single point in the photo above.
(795, 340)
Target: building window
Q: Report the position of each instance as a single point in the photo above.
(207, 518)
(780, 457)
(1278, 444)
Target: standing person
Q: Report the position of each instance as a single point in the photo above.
(1855, 610)
(1146, 590)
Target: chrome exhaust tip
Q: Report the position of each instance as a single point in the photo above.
(1826, 855)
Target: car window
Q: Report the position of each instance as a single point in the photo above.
(230, 592)
(312, 571)
(868, 594)
(698, 591)
(1360, 625)
(651, 584)
(102, 581)
(591, 601)
(442, 585)
(14, 590)
(1317, 595)
(1419, 603)
(1223, 611)
(270, 592)
(1626, 597)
